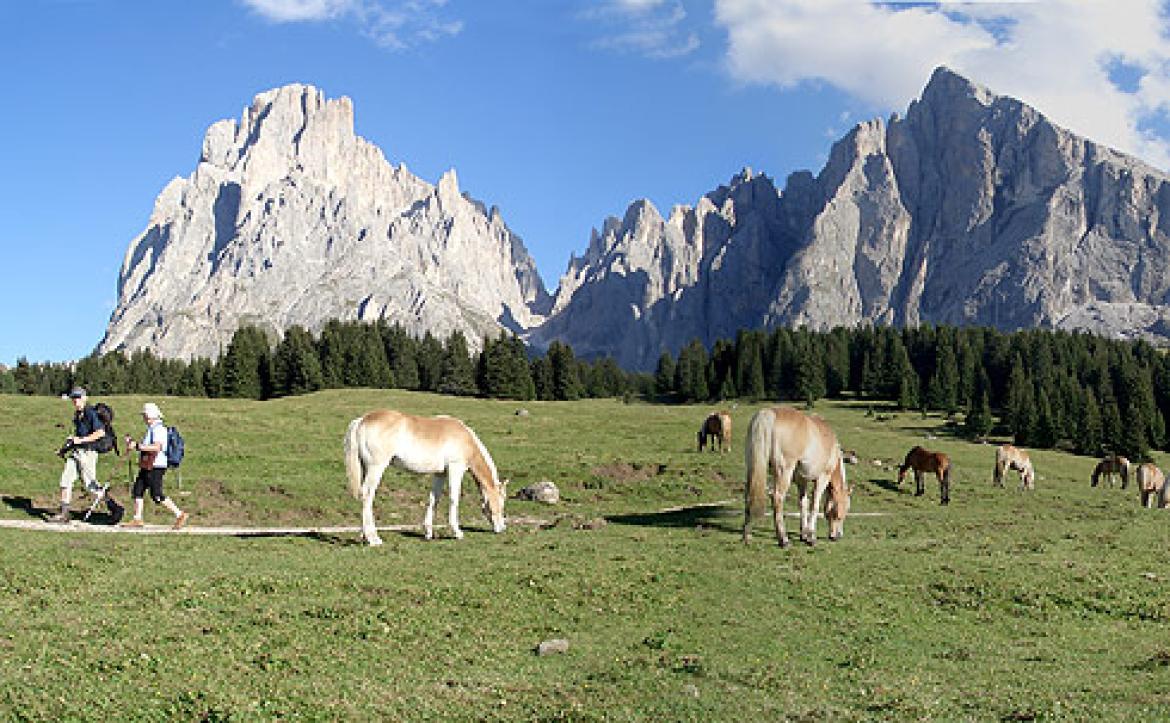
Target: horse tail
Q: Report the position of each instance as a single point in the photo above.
(354, 467)
(757, 453)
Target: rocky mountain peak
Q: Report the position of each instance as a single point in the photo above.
(290, 218)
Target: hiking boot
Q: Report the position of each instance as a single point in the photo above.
(132, 523)
(180, 521)
(117, 511)
(62, 517)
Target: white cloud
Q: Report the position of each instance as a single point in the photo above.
(396, 24)
(1056, 55)
(653, 28)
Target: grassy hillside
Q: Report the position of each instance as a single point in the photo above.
(1044, 605)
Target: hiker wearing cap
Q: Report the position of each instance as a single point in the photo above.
(152, 465)
(80, 453)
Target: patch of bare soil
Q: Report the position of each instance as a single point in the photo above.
(629, 472)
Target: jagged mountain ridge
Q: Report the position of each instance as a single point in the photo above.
(971, 209)
(290, 218)
(974, 209)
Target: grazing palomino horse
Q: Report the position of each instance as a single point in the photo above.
(1009, 457)
(717, 428)
(440, 446)
(1110, 467)
(1150, 481)
(793, 445)
(924, 461)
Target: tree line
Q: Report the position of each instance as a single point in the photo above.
(1069, 390)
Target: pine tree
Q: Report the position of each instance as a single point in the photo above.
(542, 380)
(664, 376)
(566, 379)
(401, 352)
(809, 370)
(979, 422)
(944, 384)
(247, 354)
(456, 372)
(296, 368)
(1089, 426)
(430, 363)
(1045, 430)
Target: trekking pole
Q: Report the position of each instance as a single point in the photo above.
(97, 499)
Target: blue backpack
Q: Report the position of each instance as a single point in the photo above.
(175, 447)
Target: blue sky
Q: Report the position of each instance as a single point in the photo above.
(561, 112)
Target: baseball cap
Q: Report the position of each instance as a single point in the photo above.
(75, 393)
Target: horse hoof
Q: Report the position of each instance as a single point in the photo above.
(833, 538)
(810, 541)
(783, 542)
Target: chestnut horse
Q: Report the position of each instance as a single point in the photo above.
(1009, 457)
(716, 427)
(443, 447)
(924, 461)
(1150, 482)
(794, 445)
(1111, 467)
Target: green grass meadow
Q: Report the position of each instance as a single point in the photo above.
(1004, 605)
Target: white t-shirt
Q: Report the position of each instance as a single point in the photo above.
(157, 434)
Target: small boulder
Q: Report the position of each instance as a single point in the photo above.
(551, 647)
(543, 491)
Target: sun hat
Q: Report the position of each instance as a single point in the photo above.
(151, 410)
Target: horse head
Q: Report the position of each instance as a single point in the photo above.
(492, 496)
(837, 503)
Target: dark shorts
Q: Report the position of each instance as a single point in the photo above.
(151, 479)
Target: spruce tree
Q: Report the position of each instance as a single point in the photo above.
(1089, 426)
(296, 368)
(456, 371)
(246, 355)
(664, 376)
(566, 379)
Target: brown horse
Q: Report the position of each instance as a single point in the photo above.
(924, 461)
(796, 446)
(1150, 482)
(716, 428)
(1009, 457)
(1111, 467)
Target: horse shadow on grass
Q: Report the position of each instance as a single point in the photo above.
(891, 485)
(706, 516)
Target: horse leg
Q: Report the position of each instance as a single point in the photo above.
(814, 504)
(919, 484)
(370, 488)
(779, 492)
(438, 482)
(944, 486)
(454, 486)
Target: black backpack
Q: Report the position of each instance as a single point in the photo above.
(109, 441)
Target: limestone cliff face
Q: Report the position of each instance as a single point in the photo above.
(289, 218)
(971, 209)
(974, 209)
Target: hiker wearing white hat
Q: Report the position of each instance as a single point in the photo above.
(152, 465)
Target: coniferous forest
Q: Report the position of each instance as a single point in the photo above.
(1076, 391)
